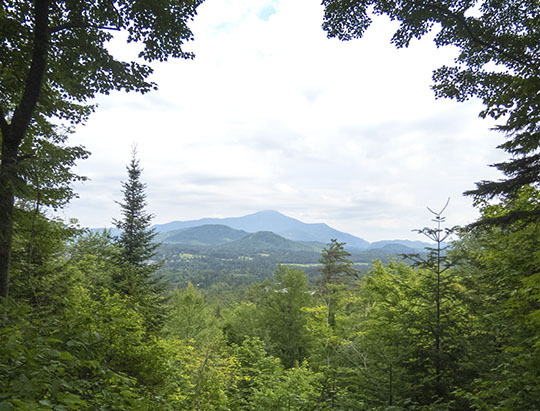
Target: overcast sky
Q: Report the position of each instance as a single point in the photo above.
(273, 115)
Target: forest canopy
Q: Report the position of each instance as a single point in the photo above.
(87, 323)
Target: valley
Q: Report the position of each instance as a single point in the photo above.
(242, 250)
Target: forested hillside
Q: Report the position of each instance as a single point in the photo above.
(254, 257)
(91, 321)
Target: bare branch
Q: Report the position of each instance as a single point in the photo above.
(442, 211)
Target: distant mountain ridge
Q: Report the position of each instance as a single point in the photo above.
(220, 231)
(269, 220)
(208, 234)
(267, 241)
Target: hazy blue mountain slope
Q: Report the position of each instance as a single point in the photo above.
(266, 241)
(273, 221)
(415, 245)
(208, 234)
(393, 248)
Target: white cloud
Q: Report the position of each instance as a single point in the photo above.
(273, 115)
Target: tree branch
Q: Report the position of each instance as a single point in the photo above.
(68, 26)
(23, 113)
(459, 18)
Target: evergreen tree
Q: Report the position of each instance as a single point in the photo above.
(136, 236)
(501, 271)
(336, 269)
(136, 278)
(336, 264)
(439, 280)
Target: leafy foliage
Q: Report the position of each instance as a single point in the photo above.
(82, 328)
(283, 318)
(191, 318)
(54, 60)
(498, 62)
(501, 266)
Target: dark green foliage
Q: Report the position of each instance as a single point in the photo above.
(42, 184)
(54, 60)
(78, 65)
(501, 266)
(436, 266)
(47, 180)
(83, 345)
(136, 249)
(498, 62)
(208, 234)
(204, 266)
(46, 363)
(136, 237)
(337, 269)
(191, 318)
(416, 345)
(266, 241)
(263, 384)
(81, 329)
(38, 247)
(97, 255)
(77, 346)
(488, 351)
(282, 317)
(240, 321)
(336, 265)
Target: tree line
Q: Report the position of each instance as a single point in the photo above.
(92, 327)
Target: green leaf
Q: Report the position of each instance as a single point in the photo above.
(65, 355)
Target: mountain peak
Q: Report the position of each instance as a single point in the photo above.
(269, 212)
(276, 222)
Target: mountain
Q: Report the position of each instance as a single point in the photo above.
(266, 241)
(412, 245)
(394, 248)
(217, 231)
(287, 227)
(208, 234)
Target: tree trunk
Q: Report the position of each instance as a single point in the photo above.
(13, 134)
(6, 228)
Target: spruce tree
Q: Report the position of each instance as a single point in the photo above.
(336, 265)
(136, 236)
(337, 270)
(137, 275)
(441, 295)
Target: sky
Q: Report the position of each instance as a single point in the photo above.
(273, 115)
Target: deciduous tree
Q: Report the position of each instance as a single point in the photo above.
(501, 266)
(498, 62)
(54, 60)
(283, 318)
